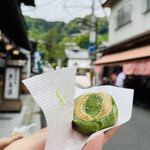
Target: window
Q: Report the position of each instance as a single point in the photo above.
(124, 15)
(148, 5)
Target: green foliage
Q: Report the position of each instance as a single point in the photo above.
(102, 26)
(82, 41)
(42, 47)
(53, 45)
(101, 38)
(54, 35)
(35, 34)
(68, 39)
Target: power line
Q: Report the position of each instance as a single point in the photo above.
(103, 10)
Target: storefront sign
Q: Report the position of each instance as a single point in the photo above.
(92, 36)
(12, 83)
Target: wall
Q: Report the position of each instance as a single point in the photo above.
(81, 63)
(140, 21)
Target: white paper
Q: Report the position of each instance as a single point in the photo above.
(61, 135)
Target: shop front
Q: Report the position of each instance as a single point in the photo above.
(135, 65)
(13, 34)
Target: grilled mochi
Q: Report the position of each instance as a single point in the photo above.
(94, 112)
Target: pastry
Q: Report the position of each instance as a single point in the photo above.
(94, 112)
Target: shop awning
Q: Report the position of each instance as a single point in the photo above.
(97, 69)
(133, 54)
(139, 67)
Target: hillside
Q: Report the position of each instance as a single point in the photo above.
(40, 26)
(52, 36)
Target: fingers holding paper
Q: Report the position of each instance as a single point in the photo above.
(98, 142)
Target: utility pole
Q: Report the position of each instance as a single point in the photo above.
(92, 41)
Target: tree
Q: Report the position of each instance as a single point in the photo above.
(82, 41)
(55, 34)
(53, 45)
(41, 47)
(35, 34)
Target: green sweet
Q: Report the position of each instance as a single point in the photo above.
(94, 105)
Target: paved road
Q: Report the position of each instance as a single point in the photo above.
(134, 135)
(29, 114)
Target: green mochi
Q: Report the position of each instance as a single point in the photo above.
(89, 127)
(93, 105)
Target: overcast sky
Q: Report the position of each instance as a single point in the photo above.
(63, 10)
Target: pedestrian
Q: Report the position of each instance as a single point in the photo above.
(37, 141)
(113, 78)
(120, 78)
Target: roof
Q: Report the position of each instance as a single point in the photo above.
(77, 54)
(13, 24)
(108, 3)
(133, 54)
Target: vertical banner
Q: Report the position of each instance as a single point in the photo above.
(92, 36)
(37, 62)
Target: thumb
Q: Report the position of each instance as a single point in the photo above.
(96, 143)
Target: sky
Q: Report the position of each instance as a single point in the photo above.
(63, 10)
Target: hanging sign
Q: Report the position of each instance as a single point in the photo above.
(12, 83)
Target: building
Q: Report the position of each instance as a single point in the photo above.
(129, 18)
(129, 40)
(80, 58)
(13, 38)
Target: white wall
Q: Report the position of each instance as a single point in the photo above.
(140, 21)
(81, 63)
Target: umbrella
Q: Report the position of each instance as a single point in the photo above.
(64, 10)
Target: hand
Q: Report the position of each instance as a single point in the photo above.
(99, 141)
(4, 142)
(37, 141)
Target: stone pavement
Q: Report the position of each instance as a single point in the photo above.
(134, 135)
(30, 113)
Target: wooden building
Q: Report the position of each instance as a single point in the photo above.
(13, 34)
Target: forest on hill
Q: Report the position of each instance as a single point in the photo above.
(52, 36)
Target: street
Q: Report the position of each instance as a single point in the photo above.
(29, 114)
(134, 135)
